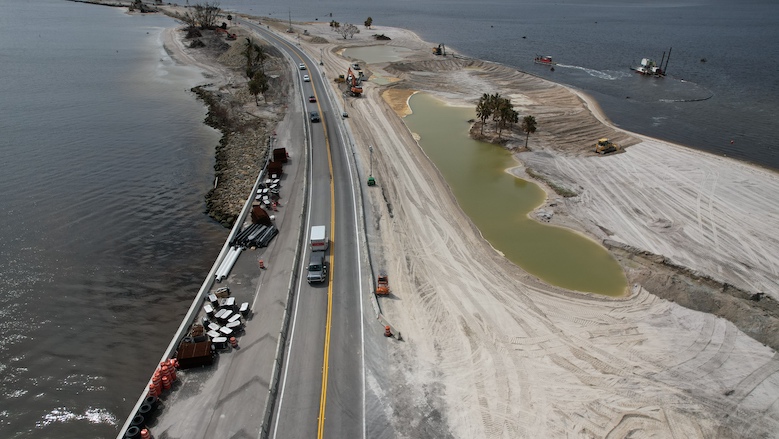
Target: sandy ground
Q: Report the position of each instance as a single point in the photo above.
(490, 351)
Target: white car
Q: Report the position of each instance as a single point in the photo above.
(306, 78)
(302, 66)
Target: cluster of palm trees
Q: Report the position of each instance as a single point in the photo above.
(255, 68)
(502, 112)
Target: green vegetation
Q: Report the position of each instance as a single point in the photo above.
(499, 108)
(529, 126)
(559, 190)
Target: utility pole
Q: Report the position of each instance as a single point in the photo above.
(321, 56)
(289, 31)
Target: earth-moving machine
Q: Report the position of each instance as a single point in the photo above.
(605, 146)
(354, 83)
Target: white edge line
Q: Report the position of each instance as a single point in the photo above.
(297, 298)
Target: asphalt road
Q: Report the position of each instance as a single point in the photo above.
(322, 383)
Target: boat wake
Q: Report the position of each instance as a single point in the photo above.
(613, 76)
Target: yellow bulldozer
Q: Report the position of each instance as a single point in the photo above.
(605, 146)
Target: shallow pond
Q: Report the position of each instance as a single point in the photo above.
(377, 54)
(499, 203)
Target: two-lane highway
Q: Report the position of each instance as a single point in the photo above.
(322, 382)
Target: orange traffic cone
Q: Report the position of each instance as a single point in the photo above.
(145, 434)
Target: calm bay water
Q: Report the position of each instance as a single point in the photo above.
(734, 95)
(103, 242)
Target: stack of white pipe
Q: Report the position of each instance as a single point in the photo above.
(227, 263)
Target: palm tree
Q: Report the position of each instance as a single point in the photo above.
(508, 116)
(529, 125)
(254, 54)
(258, 84)
(484, 110)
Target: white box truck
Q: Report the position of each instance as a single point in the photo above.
(319, 240)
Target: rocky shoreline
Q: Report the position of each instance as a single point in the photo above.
(246, 125)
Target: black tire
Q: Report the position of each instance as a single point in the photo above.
(147, 411)
(132, 433)
(138, 421)
(151, 400)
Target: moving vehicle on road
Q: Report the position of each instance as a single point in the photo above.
(302, 66)
(317, 270)
(306, 78)
(318, 238)
(312, 98)
(315, 118)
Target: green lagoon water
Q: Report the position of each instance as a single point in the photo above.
(498, 203)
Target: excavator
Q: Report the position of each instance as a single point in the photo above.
(440, 50)
(354, 83)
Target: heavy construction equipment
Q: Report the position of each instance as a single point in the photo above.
(605, 146)
(354, 83)
(440, 50)
(382, 285)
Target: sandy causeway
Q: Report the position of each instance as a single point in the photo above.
(490, 351)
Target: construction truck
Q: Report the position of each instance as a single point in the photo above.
(440, 50)
(228, 35)
(605, 146)
(382, 285)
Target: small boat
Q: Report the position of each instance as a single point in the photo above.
(544, 60)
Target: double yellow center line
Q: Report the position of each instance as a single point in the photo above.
(325, 362)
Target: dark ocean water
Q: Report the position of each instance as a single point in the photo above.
(103, 240)
(734, 95)
(105, 161)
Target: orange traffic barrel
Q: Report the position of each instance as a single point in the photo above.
(165, 371)
(166, 383)
(172, 373)
(387, 331)
(157, 382)
(145, 434)
(153, 390)
(233, 342)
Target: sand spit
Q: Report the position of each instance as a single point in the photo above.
(492, 352)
